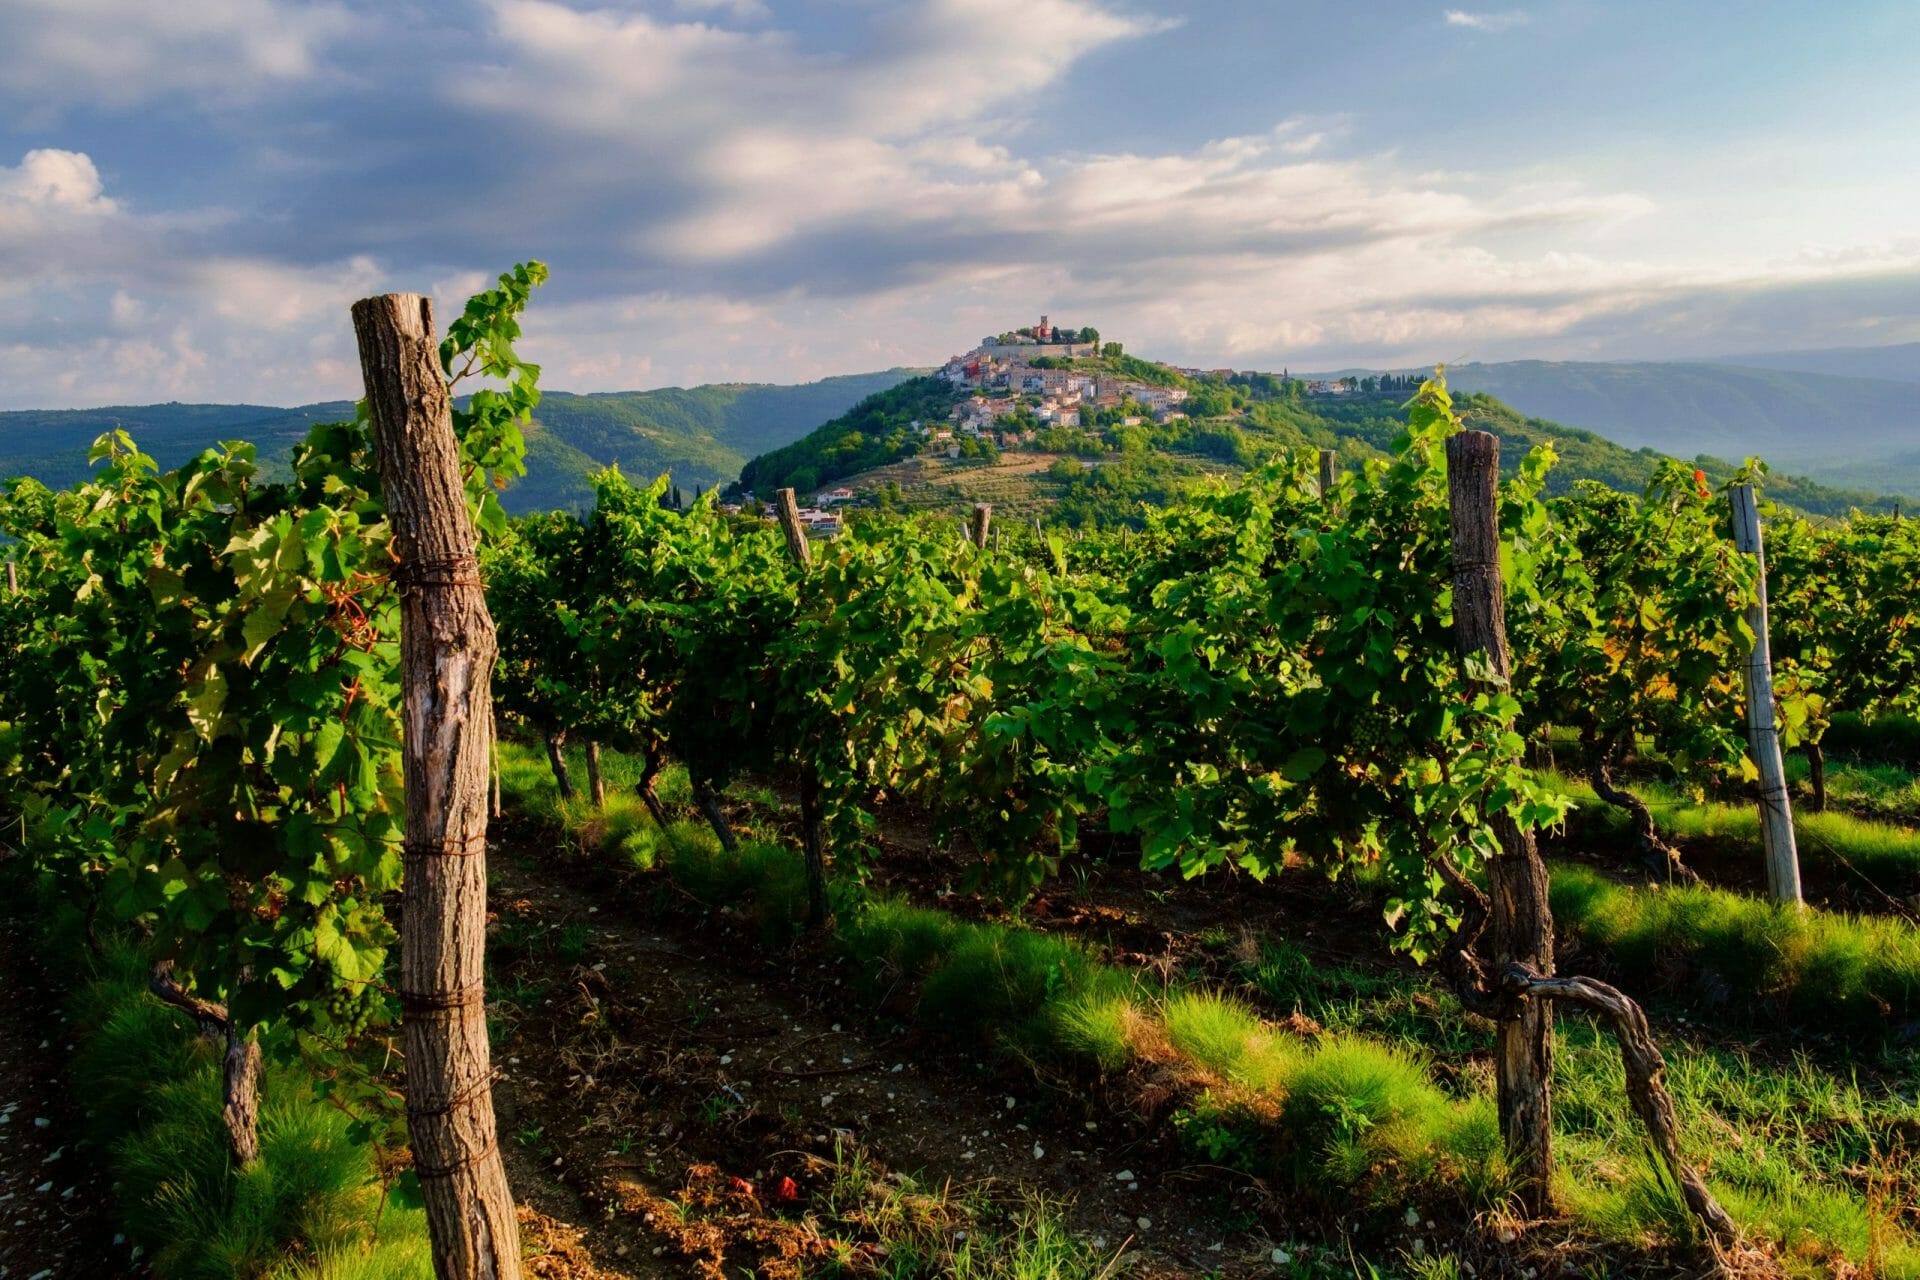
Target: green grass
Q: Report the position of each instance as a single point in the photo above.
(1361, 1116)
(1348, 998)
(929, 1231)
(1872, 789)
(311, 1207)
(1790, 1145)
(1859, 975)
(1893, 738)
(1886, 854)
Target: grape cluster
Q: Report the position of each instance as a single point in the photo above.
(353, 1010)
(1370, 732)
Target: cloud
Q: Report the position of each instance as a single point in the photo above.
(107, 304)
(742, 10)
(723, 197)
(49, 177)
(1489, 22)
(63, 53)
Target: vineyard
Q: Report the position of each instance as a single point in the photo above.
(1391, 871)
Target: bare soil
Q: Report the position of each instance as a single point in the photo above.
(662, 1055)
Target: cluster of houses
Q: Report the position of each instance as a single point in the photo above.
(821, 520)
(1003, 377)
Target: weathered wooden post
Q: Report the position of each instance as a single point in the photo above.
(1521, 924)
(1763, 730)
(812, 837)
(789, 512)
(13, 577)
(1327, 475)
(447, 651)
(982, 521)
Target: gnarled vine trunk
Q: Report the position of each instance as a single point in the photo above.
(240, 1093)
(239, 1063)
(1645, 1071)
(813, 842)
(652, 760)
(1646, 836)
(1817, 775)
(596, 785)
(557, 761)
(447, 651)
(709, 802)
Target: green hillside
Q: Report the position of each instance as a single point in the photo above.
(51, 444)
(700, 434)
(1102, 476)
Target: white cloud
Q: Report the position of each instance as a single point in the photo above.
(1489, 22)
(119, 52)
(49, 177)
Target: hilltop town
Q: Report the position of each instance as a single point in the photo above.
(1032, 370)
(1056, 395)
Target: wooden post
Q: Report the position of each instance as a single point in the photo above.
(447, 650)
(1763, 730)
(982, 521)
(13, 578)
(789, 511)
(1521, 924)
(812, 836)
(1327, 475)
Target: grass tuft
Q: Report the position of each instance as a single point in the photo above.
(1861, 974)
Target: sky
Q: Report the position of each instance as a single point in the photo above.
(192, 195)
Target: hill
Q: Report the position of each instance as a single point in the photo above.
(1900, 362)
(1842, 430)
(700, 434)
(1101, 475)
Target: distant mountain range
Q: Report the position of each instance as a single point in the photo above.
(1850, 431)
(1900, 363)
(1104, 471)
(703, 435)
(1825, 423)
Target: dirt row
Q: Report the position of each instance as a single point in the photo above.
(651, 1051)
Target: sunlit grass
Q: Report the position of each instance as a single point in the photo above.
(1885, 853)
(1836, 971)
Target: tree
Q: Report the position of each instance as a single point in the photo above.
(1112, 351)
